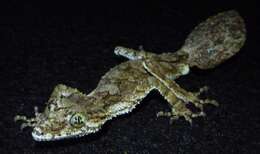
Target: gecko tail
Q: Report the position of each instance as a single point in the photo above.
(215, 40)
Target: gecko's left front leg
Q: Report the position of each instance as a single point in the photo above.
(28, 122)
(162, 72)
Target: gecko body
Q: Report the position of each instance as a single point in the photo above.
(70, 113)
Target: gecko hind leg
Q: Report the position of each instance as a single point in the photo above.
(132, 54)
(178, 107)
(161, 72)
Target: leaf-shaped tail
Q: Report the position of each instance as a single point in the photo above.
(215, 40)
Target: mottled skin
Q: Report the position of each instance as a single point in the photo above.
(215, 40)
(70, 113)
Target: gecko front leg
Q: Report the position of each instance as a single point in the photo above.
(165, 72)
(28, 122)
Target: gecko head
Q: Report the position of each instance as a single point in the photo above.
(68, 117)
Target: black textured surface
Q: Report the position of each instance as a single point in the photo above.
(42, 47)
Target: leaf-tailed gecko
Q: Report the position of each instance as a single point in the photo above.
(70, 113)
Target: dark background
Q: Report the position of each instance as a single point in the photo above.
(46, 44)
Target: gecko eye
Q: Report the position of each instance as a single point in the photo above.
(77, 120)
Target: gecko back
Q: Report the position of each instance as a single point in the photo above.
(215, 40)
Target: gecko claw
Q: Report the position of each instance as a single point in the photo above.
(19, 118)
(202, 90)
(209, 101)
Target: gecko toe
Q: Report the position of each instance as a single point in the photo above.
(202, 90)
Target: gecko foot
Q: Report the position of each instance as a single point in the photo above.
(200, 102)
(28, 122)
(180, 110)
(174, 116)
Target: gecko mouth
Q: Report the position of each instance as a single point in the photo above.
(39, 135)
